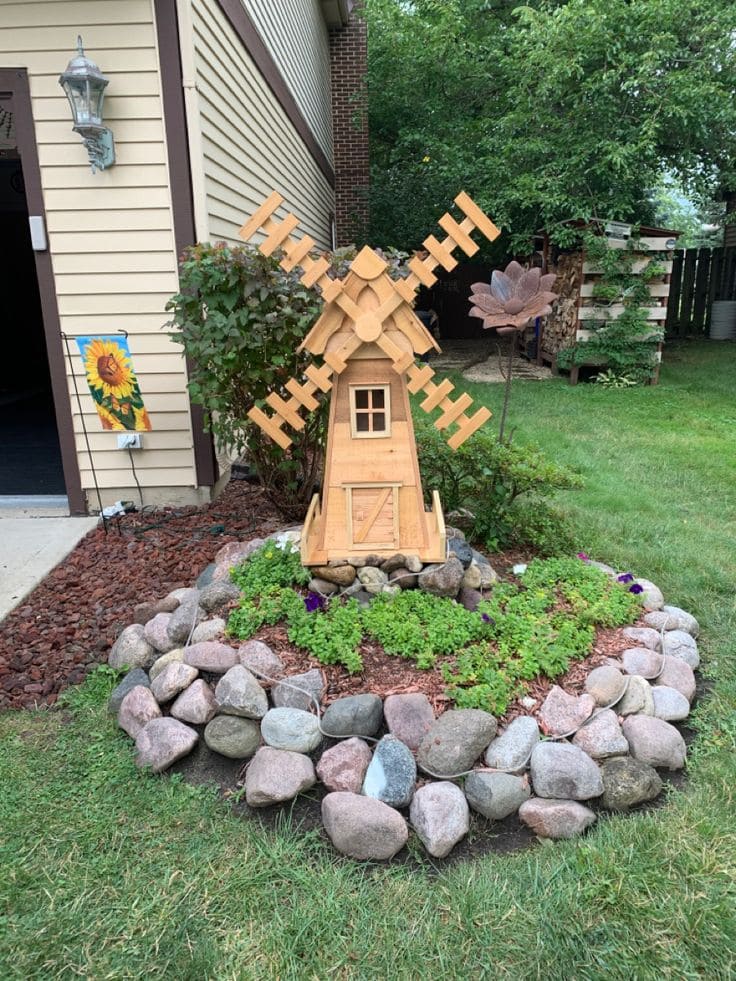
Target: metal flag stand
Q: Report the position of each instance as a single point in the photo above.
(84, 424)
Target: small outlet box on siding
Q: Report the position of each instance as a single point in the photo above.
(129, 441)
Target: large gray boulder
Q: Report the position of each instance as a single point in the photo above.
(160, 663)
(555, 818)
(217, 595)
(628, 782)
(132, 680)
(208, 630)
(291, 729)
(355, 715)
(260, 660)
(174, 678)
(670, 704)
(232, 736)
(512, 750)
(655, 742)
(439, 814)
(679, 675)
(651, 596)
(275, 775)
(455, 741)
(391, 774)
(238, 693)
(672, 618)
(299, 691)
(443, 579)
(637, 698)
(564, 772)
(184, 619)
(132, 650)
(363, 827)
(644, 637)
(496, 795)
(162, 742)
(606, 685)
(680, 644)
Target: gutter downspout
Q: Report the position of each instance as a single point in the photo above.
(192, 111)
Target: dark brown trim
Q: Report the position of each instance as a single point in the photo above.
(180, 175)
(15, 82)
(251, 40)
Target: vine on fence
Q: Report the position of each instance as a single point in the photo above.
(626, 344)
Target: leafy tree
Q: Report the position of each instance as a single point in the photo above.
(546, 111)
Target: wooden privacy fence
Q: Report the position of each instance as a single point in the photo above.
(699, 276)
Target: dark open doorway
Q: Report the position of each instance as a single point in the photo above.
(30, 456)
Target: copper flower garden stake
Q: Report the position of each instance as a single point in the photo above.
(513, 298)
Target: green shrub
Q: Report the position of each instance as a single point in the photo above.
(488, 479)
(240, 319)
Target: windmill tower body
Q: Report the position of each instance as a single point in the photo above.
(368, 339)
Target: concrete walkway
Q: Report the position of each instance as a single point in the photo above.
(30, 547)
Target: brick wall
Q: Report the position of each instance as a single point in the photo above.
(348, 57)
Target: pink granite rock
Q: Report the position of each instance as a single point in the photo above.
(555, 818)
(210, 655)
(562, 713)
(343, 766)
(174, 678)
(196, 704)
(162, 742)
(408, 717)
(137, 709)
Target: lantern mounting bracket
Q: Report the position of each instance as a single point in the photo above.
(84, 85)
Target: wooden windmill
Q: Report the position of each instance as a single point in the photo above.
(368, 337)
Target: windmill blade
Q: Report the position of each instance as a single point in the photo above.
(457, 236)
(287, 411)
(438, 396)
(296, 251)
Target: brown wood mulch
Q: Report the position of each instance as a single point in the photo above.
(67, 625)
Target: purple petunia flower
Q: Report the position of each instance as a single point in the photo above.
(583, 557)
(313, 601)
(636, 588)
(625, 577)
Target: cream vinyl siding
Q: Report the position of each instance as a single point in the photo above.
(110, 234)
(295, 33)
(249, 145)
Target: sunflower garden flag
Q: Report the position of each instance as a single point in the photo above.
(113, 383)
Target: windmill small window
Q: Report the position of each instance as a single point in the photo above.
(370, 411)
(367, 340)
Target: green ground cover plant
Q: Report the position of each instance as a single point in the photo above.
(108, 872)
(517, 633)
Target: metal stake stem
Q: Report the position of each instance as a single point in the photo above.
(84, 429)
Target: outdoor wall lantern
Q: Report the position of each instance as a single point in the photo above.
(85, 85)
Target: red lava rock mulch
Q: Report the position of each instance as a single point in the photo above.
(68, 623)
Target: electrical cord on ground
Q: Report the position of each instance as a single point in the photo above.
(135, 476)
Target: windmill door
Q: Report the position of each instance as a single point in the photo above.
(373, 515)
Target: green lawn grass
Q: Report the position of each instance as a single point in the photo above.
(109, 873)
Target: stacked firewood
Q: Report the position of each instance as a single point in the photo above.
(560, 326)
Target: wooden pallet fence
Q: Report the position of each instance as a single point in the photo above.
(699, 277)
